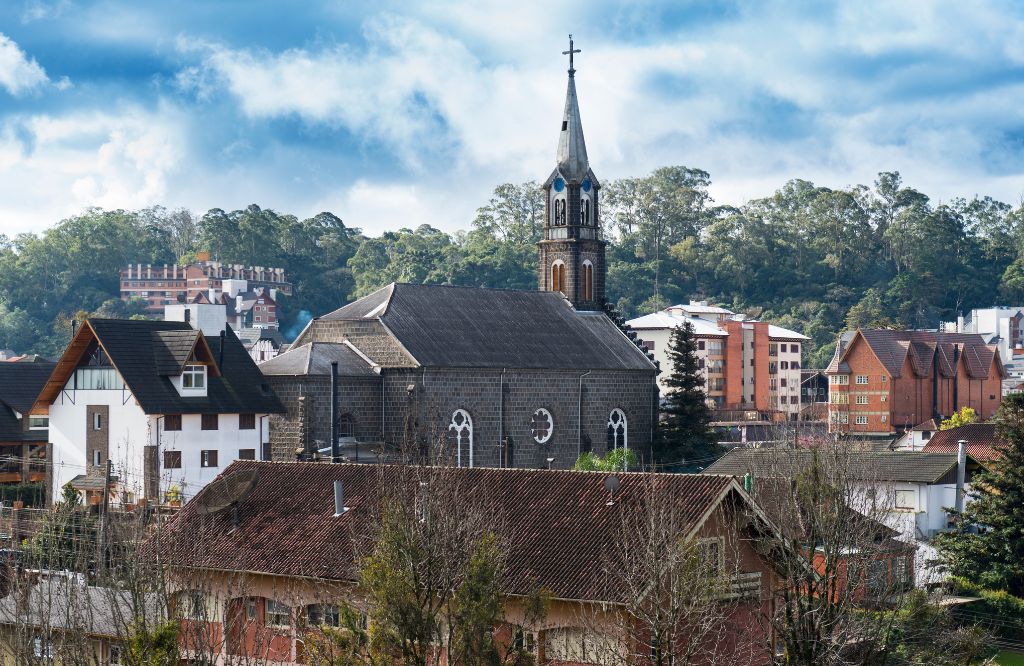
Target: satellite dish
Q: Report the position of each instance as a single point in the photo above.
(612, 484)
(226, 491)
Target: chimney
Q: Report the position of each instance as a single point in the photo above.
(335, 453)
(339, 499)
(188, 315)
(961, 473)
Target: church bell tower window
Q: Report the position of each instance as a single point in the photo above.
(587, 280)
(558, 276)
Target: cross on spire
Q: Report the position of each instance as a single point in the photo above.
(570, 53)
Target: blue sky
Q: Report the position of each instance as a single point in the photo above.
(396, 114)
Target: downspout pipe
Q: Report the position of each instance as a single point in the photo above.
(335, 453)
(961, 473)
(501, 419)
(579, 433)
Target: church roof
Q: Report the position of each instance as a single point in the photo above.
(315, 358)
(470, 327)
(572, 149)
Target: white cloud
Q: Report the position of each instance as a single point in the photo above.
(18, 72)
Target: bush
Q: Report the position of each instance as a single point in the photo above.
(996, 610)
(32, 494)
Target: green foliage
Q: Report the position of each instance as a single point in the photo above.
(618, 460)
(32, 494)
(994, 556)
(152, 646)
(685, 438)
(67, 538)
(997, 610)
(963, 417)
(922, 632)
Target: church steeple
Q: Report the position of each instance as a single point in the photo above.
(572, 255)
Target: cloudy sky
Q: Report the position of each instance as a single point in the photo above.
(396, 114)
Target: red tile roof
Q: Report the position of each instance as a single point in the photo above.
(557, 523)
(981, 441)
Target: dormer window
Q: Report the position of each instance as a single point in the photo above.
(194, 377)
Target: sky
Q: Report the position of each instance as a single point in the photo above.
(397, 114)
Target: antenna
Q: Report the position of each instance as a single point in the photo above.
(226, 492)
(612, 485)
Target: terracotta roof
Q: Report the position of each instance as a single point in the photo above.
(556, 522)
(981, 441)
(922, 347)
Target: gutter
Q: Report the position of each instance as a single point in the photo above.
(579, 422)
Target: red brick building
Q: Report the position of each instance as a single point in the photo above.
(885, 381)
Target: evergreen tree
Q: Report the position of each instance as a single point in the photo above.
(994, 557)
(685, 440)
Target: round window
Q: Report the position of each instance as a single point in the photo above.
(559, 184)
(542, 425)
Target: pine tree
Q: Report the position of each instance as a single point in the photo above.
(685, 440)
(994, 558)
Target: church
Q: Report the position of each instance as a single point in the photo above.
(479, 377)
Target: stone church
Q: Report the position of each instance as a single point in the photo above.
(482, 377)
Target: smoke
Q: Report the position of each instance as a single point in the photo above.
(301, 320)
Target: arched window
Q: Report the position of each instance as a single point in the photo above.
(558, 276)
(584, 211)
(587, 280)
(461, 431)
(542, 425)
(346, 426)
(559, 213)
(618, 430)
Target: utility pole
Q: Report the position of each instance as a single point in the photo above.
(101, 559)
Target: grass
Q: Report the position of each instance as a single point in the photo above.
(1006, 658)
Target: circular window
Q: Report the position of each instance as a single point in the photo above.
(542, 425)
(585, 185)
(559, 184)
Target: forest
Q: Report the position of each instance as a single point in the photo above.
(810, 258)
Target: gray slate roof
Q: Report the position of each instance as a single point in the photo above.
(314, 358)
(68, 605)
(20, 385)
(908, 466)
(469, 327)
(139, 351)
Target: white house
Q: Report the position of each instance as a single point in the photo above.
(167, 406)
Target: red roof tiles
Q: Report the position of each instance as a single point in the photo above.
(981, 441)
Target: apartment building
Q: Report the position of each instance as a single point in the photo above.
(1001, 326)
(750, 365)
(883, 382)
(171, 284)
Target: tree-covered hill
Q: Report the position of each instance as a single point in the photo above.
(810, 258)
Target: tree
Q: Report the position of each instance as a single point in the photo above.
(684, 436)
(959, 418)
(994, 556)
(619, 460)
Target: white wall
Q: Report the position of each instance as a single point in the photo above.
(210, 318)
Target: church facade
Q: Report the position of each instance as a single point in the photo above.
(479, 377)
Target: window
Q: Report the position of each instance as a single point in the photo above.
(525, 641)
(884, 418)
(191, 605)
(794, 400)
(116, 658)
(617, 430)
(714, 347)
(247, 454)
(841, 380)
(861, 399)
(588, 281)
(172, 459)
(573, 644)
(648, 345)
(713, 554)
(840, 417)
(97, 457)
(208, 458)
(97, 421)
(460, 433)
(246, 421)
(773, 349)
(194, 377)
(862, 379)
(883, 398)
(794, 365)
(558, 277)
(905, 500)
(323, 615)
(38, 422)
(278, 615)
(782, 382)
(210, 421)
(840, 398)
(250, 608)
(751, 362)
(172, 422)
(784, 365)
(346, 426)
(541, 426)
(700, 344)
(884, 379)
(42, 647)
(861, 419)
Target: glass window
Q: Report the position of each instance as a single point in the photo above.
(862, 420)
(194, 377)
(323, 615)
(98, 379)
(862, 399)
(172, 459)
(278, 615)
(38, 422)
(841, 380)
(208, 458)
(862, 379)
(617, 430)
(460, 437)
(247, 454)
(905, 499)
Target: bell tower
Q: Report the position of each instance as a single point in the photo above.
(572, 254)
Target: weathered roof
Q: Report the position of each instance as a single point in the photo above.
(250, 336)
(572, 149)
(139, 351)
(557, 523)
(982, 441)
(469, 327)
(666, 320)
(314, 358)
(173, 349)
(909, 466)
(65, 604)
(893, 348)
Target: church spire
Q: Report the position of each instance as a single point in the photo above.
(572, 149)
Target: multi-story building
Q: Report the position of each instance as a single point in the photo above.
(748, 365)
(1003, 327)
(158, 404)
(170, 284)
(883, 382)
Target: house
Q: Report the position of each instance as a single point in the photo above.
(167, 285)
(1001, 326)
(747, 365)
(23, 436)
(243, 588)
(910, 490)
(262, 344)
(982, 442)
(158, 403)
(212, 318)
(917, 437)
(504, 378)
(884, 382)
(62, 619)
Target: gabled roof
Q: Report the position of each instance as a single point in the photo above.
(315, 358)
(666, 320)
(20, 385)
(893, 348)
(145, 353)
(66, 604)
(470, 327)
(250, 336)
(557, 523)
(981, 439)
(909, 466)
